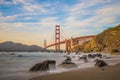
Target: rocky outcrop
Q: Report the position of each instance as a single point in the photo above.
(107, 41)
(44, 66)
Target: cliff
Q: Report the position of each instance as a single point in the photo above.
(107, 41)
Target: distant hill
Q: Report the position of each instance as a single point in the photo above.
(107, 41)
(18, 47)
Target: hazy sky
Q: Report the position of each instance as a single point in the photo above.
(32, 21)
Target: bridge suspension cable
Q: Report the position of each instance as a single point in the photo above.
(63, 34)
(52, 37)
(69, 42)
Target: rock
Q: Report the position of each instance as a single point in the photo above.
(99, 55)
(20, 56)
(73, 56)
(100, 63)
(107, 57)
(12, 54)
(51, 64)
(91, 56)
(118, 64)
(94, 55)
(68, 53)
(68, 59)
(84, 58)
(96, 60)
(67, 63)
(65, 56)
(44, 66)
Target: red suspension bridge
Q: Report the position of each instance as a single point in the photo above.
(69, 43)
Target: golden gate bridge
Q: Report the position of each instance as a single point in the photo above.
(69, 43)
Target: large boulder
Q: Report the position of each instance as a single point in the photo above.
(44, 66)
(100, 63)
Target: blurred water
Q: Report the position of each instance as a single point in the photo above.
(13, 67)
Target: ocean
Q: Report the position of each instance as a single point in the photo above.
(14, 67)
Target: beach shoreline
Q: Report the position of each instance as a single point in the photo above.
(110, 72)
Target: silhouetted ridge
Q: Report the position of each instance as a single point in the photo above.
(18, 47)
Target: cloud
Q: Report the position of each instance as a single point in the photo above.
(82, 5)
(11, 2)
(31, 6)
(44, 28)
(6, 18)
(28, 5)
(109, 10)
(29, 33)
(37, 20)
(100, 17)
(82, 9)
(3, 2)
(24, 16)
(34, 7)
(20, 1)
(49, 20)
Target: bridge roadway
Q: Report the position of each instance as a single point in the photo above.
(76, 38)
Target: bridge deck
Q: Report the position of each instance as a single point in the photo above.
(76, 38)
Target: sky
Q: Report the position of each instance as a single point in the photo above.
(33, 21)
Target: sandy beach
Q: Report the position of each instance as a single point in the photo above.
(109, 73)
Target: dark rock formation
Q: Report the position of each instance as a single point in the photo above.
(44, 66)
(68, 59)
(20, 56)
(67, 63)
(84, 58)
(91, 56)
(96, 60)
(118, 64)
(94, 55)
(12, 53)
(99, 55)
(100, 63)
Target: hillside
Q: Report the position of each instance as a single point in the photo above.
(107, 41)
(18, 47)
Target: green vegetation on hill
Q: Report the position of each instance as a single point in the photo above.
(107, 41)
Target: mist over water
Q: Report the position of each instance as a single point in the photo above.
(13, 67)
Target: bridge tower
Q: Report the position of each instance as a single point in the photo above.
(57, 37)
(45, 43)
(67, 45)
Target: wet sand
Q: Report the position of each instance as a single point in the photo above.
(109, 73)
